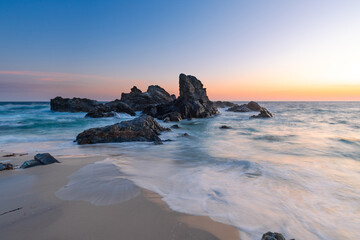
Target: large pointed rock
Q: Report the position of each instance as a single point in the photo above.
(143, 128)
(193, 101)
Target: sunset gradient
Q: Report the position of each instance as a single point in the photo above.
(240, 50)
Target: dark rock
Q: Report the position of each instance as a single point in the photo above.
(225, 127)
(99, 113)
(273, 236)
(173, 117)
(175, 126)
(254, 106)
(153, 96)
(10, 155)
(6, 166)
(60, 104)
(185, 135)
(158, 142)
(239, 108)
(223, 104)
(264, 113)
(249, 107)
(108, 109)
(30, 163)
(120, 107)
(143, 128)
(193, 101)
(45, 158)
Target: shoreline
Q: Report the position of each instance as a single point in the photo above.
(31, 209)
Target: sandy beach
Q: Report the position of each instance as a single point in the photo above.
(30, 209)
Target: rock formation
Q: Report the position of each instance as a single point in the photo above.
(193, 102)
(264, 113)
(108, 109)
(153, 96)
(273, 236)
(223, 104)
(39, 159)
(60, 104)
(249, 107)
(143, 128)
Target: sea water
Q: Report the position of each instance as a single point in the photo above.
(297, 173)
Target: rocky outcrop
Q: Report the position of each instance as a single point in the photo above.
(264, 113)
(6, 166)
(193, 101)
(39, 159)
(100, 113)
(153, 96)
(143, 128)
(60, 104)
(273, 236)
(249, 107)
(224, 104)
(119, 107)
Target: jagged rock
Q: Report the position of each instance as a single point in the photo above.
(223, 104)
(249, 107)
(153, 96)
(120, 107)
(60, 104)
(225, 127)
(45, 158)
(143, 128)
(6, 166)
(193, 101)
(273, 236)
(175, 126)
(264, 113)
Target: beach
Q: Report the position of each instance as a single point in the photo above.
(39, 214)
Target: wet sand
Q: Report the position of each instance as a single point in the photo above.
(29, 209)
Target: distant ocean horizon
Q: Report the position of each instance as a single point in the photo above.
(296, 173)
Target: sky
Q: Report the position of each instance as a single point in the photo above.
(267, 50)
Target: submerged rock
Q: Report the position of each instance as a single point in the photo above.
(264, 113)
(225, 127)
(60, 104)
(273, 236)
(175, 126)
(153, 96)
(143, 128)
(39, 159)
(193, 102)
(6, 166)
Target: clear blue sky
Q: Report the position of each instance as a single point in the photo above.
(99, 49)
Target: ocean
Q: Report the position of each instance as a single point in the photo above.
(297, 173)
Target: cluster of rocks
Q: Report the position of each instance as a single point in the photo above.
(192, 102)
(93, 108)
(249, 107)
(143, 128)
(139, 100)
(39, 159)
